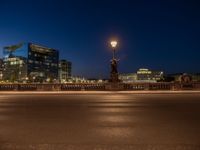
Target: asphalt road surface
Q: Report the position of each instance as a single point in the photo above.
(109, 121)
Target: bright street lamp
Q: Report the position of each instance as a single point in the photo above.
(113, 44)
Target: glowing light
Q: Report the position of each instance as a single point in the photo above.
(113, 43)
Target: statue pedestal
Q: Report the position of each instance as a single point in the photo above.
(114, 78)
(114, 83)
(114, 86)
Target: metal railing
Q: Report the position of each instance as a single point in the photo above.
(100, 86)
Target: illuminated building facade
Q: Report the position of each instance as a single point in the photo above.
(128, 78)
(1, 69)
(146, 75)
(142, 75)
(65, 69)
(196, 77)
(30, 62)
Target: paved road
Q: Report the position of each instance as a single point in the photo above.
(99, 121)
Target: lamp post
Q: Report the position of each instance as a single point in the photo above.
(114, 72)
(114, 45)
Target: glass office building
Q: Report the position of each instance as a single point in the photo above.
(1, 69)
(30, 62)
(65, 69)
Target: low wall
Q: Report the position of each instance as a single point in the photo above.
(100, 87)
(52, 87)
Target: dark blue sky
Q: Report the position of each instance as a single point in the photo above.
(155, 34)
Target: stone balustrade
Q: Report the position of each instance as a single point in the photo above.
(100, 87)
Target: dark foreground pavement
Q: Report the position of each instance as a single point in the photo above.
(109, 121)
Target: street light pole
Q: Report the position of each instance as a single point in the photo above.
(114, 72)
(114, 82)
(114, 45)
(113, 53)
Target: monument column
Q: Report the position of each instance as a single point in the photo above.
(114, 72)
(114, 83)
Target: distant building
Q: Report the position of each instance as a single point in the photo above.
(142, 75)
(128, 78)
(65, 69)
(185, 78)
(196, 77)
(30, 62)
(76, 79)
(146, 75)
(1, 69)
(177, 77)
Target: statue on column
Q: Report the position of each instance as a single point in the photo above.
(114, 82)
(114, 72)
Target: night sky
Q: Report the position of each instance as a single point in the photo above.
(156, 34)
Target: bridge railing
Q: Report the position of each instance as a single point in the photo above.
(148, 86)
(88, 87)
(100, 86)
(52, 87)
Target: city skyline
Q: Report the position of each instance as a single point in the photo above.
(156, 35)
